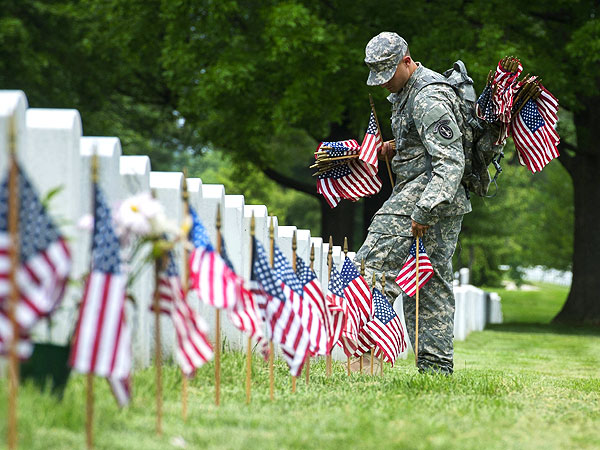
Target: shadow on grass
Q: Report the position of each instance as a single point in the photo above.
(540, 328)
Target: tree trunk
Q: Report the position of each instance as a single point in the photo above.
(583, 303)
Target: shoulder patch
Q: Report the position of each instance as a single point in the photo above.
(443, 129)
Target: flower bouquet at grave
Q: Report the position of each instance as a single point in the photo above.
(145, 232)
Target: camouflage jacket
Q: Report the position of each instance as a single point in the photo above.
(429, 160)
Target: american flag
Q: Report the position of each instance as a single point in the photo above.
(339, 148)
(484, 108)
(216, 284)
(314, 295)
(244, 314)
(45, 263)
(338, 306)
(352, 180)
(102, 342)
(534, 131)
(372, 143)
(283, 324)
(293, 289)
(385, 328)
(407, 278)
(357, 291)
(193, 346)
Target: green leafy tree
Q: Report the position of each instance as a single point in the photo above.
(175, 77)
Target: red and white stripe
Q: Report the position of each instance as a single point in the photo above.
(285, 328)
(326, 188)
(245, 317)
(102, 343)
(407, 278)
(338, 309)
(314, 295)
(389, 338)
(121, 389)
(215, 283)
(538, 148)
(41, 281)
(193, 348)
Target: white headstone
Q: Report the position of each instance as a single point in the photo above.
(284, 240)
(135, 179)
(167, 187)
(317, 244)
(12, 104)
(303, 243)
(232, 227)
(213, 197)
(261, 230)
(52, 161)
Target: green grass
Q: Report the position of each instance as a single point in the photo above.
(518, 385)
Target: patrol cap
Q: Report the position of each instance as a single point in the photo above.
(382, 55)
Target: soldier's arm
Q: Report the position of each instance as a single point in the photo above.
(436, 124)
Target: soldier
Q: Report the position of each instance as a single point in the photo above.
(428, 199)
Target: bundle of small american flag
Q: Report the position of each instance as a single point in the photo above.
(348, 170)
(526, 110)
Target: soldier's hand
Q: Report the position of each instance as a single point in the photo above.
(388, 149)
(418, 230)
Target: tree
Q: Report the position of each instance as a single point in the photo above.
(174, 78)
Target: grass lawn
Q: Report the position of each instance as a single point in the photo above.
(523, 384)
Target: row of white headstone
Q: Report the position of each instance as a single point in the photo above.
(55, 154)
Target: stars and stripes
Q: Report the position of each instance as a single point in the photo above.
(193, 346)
(294, 292)
(216, 284)
(313, 294)
(351, 180)
(284, 326)
(338, 306)
(371, 145)
(385, 328)
(357, 291)
(407, 278)
(102, 342)
(534, 131)
(45, 263)
(244, 314)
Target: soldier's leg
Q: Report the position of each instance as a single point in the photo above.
(436, 300)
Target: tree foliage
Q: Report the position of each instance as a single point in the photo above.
(263, 82)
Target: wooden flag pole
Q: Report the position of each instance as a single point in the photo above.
(383, 292)
(362, 274)
(89, 401)
(14, 252)
(294, 248)
(312, 267)
(157, 349)
(271, 346)
(185, 281)
(329, 265)
(417, 309)
(249, 348)
(387, 163)
(373, 281)
(345, 256)
(218, 323)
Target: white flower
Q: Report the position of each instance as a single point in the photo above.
(161, 225)
(86, 222)
(136, 214)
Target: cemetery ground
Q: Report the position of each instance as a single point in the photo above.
(523, 384)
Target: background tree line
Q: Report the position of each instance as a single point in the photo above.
(241, 92)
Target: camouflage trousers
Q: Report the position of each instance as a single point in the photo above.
(385, 251)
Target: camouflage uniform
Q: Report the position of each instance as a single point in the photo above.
(429, 165)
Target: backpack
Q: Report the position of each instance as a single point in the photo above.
(479, 137)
